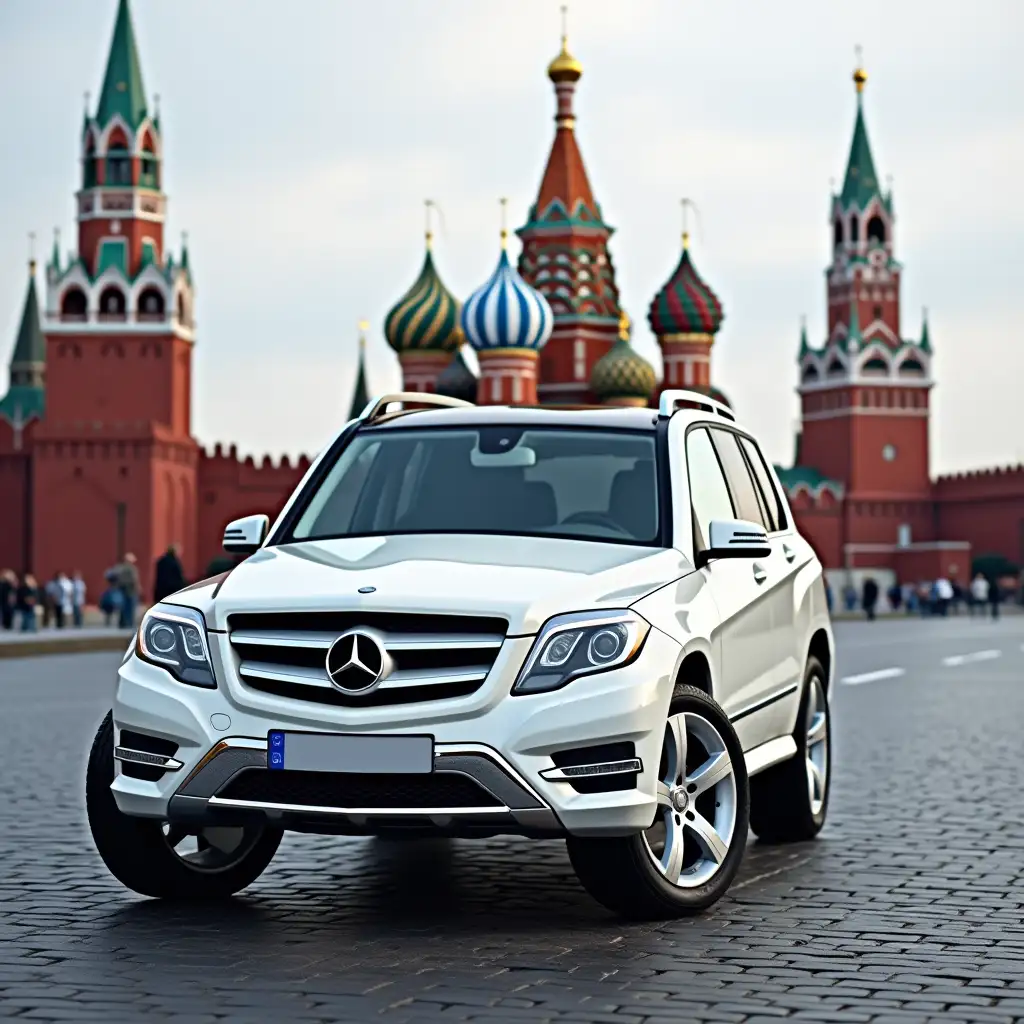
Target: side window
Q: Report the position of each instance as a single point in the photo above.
(709, 493)
(741, 483)
(764, 478)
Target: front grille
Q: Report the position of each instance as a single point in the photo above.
(340, 789)
(435, 656)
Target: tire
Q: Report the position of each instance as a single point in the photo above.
(623, 873)
(782, 809)
(139, 853)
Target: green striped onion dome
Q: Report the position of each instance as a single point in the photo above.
(426, 318)
(685, 305)
(622, 372)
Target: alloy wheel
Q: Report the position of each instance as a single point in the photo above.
(693, 830)
(816, 749)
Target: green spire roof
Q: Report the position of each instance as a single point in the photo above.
(925, 344)
(360, 393)
(804, 347)
(30, 346)
(123, 92)
(861, 182)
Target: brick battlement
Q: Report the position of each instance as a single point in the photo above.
(226, 459)
(1001, 482)
(978, 474)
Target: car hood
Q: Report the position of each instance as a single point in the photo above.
(523, 579)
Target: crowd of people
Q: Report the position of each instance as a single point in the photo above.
(942, 596)
(59, 603)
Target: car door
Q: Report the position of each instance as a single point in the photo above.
(794, 557)
(745, 631)
(772, 606)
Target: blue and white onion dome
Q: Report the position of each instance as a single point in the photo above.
(506, 312)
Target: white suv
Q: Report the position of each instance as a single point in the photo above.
(595, 624)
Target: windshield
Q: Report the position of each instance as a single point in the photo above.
(588, 484)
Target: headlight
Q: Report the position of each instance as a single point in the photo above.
(175, 639)
(580, 644)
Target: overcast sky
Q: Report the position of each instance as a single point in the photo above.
(302, 138)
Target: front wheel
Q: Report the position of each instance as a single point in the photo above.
(165, 859)
(687, 859)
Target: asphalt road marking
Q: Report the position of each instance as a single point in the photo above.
(873, 677)
(966, 659)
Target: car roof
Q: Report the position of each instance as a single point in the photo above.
(621, 418)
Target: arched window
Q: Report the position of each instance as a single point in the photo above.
(836, 368)
(89, 163)
(854, 228)
(119, 166)
(876, 230)
(876, 366)
(837, 232)
(810, 374)
(912, 367)
(151, 305)
(73, 305)
(112, 304)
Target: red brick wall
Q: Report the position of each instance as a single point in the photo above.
(986, 508)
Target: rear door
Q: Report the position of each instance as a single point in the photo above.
(765, 700)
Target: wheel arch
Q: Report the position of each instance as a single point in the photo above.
(695, 670)
(821, 648)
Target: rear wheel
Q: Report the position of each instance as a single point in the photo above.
(166, 859)
(688, 857)
(789, 801)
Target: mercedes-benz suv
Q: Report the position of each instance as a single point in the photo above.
(594, 624)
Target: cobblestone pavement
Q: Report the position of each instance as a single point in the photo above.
(907, 908)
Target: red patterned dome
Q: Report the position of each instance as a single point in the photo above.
(685, 305)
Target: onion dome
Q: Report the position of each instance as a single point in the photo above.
(505, 312)
(426, 318)
(457, 380)
(622, 374)
(565, 67)
(685, 305)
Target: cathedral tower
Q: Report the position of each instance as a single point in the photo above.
(565, 255)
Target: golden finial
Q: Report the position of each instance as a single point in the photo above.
(687, 205)
(565, 67)
(860, 76)
(31, 252)
(625, 325)
(428, 206)
(504, 222)
(364, 326)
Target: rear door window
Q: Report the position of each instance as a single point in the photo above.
(764, 478)
(744, 491)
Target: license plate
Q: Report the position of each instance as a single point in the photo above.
(364, 755)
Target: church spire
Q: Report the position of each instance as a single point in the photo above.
(360, 392)
(25, 397)
(122, 93)
(861, 182)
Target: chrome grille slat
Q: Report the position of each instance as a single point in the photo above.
(398, 679)
(392, 641)
(434, 656)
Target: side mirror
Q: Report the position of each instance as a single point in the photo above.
(734, 538)
(244, 536)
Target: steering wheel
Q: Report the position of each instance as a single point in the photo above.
(595, 519)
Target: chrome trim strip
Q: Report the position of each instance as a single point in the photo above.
(767, 754)
(571, 772)
(170, 764)
(320, 640)
(760, 705)
(387, 812)
(494, 755)
(318, 677)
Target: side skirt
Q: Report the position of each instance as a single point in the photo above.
(767, 754)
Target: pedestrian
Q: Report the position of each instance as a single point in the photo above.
(51, 596)
(27, 602)
(995, 597)
(169, 576)
(943, 595)
(849, 596)
(128, 585)
(895, 595)
(77, 598)
(869, 597)
(958, 596)
(65, 599)
(979, 593)
(8, 598)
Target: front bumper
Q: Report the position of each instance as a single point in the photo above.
(503, 744)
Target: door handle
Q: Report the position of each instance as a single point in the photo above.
(759, 574)
(788, 552)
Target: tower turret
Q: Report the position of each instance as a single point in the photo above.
(26, 397)
(360, 392)
(565, 253)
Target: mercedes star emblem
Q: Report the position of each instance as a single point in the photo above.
(357, 662)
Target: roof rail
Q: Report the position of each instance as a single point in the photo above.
(377, 408)
(671, 401)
